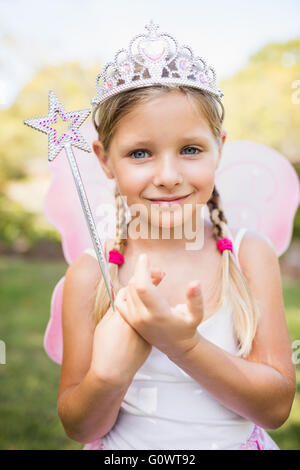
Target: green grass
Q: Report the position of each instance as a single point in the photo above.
(29, 379)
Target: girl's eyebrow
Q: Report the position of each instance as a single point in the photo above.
(135, 143)
(191, 138)
(141, 142)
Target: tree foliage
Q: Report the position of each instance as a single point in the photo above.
(260, 100)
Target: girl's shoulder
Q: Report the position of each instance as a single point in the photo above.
(85, 271)
(253, 249)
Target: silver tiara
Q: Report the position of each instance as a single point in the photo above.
(155, 58)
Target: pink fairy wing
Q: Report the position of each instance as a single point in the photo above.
(260, 190)
(53, 340)
(63, 209)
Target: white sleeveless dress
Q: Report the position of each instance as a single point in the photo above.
(165, 408)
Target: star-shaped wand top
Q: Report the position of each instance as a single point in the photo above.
(70, 137)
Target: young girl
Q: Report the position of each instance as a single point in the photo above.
(197, 354)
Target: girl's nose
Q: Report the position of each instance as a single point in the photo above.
(167, 172)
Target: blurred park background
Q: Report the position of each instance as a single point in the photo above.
(262, 101)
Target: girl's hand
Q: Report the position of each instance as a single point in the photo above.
(171, 330)
(118, 350)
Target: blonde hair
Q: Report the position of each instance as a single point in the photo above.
(233, 284)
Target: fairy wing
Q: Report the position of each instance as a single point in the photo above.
(258, 186)
(259, 190)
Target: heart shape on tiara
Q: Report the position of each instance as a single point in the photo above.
(153, 49)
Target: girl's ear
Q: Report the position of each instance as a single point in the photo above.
(223, 139)
(103, 158)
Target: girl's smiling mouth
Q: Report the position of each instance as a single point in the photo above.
(168, 202)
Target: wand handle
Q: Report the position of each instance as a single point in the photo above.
(91, 224)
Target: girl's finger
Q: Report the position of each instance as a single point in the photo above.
(195, 300)
(142, 270)
(142, 290)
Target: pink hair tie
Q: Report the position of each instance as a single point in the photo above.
(224, 244)
(115, 257)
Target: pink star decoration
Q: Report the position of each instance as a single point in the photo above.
(71, 136)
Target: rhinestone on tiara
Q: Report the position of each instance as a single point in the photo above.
(155, 58)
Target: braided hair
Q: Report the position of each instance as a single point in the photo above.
(102, 301)
(233, 284)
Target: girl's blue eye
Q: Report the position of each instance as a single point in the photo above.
(141, 151)
(194, 148)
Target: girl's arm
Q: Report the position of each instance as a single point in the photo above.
(261, 387)
(88, 404)
(89, 410)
